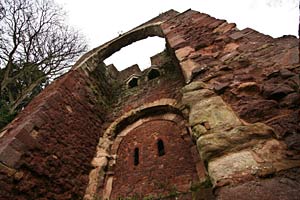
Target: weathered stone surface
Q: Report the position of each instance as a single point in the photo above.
(255, 110)
(275, 152)
(225, 27)
(236, 35)
(193, 97)
(95, 177)
(187, 69)
(177, 41)
(54, 142)
(229, 56)
(197, 131)
(286, 124)
(292, 100)
(99, 162)
(293, 141)
(285, 73)
(183, 53)
(220, 87)
(221, 142)
(284, 186)
(231, 47)
(249, 88)
(10, 156)
(195, 85)
(214, 111)
(276, 91)
(231, 165)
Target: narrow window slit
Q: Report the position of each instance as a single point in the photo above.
(160, 147)
(136, 156)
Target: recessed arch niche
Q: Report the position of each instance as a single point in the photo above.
(130, 146)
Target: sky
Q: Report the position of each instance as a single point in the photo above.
(101, 21)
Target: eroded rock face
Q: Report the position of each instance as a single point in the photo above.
(260, 82)
(222, 141)
(283, 186)
(231, 166)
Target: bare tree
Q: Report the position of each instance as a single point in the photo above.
(35, 47)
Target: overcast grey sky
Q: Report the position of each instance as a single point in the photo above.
(101, 21)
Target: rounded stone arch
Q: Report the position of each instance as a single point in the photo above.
(106, 150)
(164, 116)
(104, 51)
(159, 168)
(165, 111)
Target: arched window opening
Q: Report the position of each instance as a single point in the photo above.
(136, 156)
(160, 147)
(153, 74)
(137, 53)
(133, 83)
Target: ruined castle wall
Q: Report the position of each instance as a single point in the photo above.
(167, 85)
(237, 92)
(51, 142)
(258, 77)
(177, 168)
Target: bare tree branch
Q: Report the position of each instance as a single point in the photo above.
(35, 47)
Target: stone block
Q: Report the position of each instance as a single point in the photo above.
(10, 156)
(187, 68)
(94, 177)
(193, 97)
(275, 152)
(248, 88)
(284, 185)
(277, 91)
(290, 58)
(183, 53)
(220, 88)
(104, 143)
(229, 56)
(18, 145)
(108, 188)
(176, 41)
(225, 27)
(27, 139)
(232, 165)
(196, 85)
(99, 162)
(197, 131)
(231, 47)
(214, 111)
(220, 142)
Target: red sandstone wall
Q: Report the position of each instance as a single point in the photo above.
(258, 76)
(167, 85)
(57, 144)
(154, 175)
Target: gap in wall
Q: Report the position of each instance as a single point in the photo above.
(137, 53)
